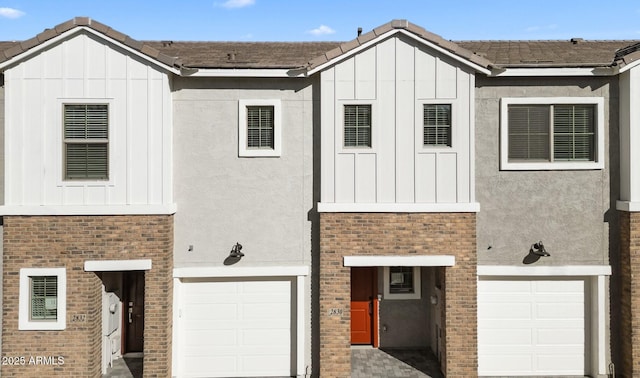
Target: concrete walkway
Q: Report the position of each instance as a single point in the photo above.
(367, 362)
(125, 368)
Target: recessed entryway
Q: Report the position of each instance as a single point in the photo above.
(364, 297)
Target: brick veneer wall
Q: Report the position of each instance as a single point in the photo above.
(68, 241)
(629, 301)
(358, 234)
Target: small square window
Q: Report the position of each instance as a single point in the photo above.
(357, 126)
(402, 282)
(259, 129)
(436, 125)
(42, 300)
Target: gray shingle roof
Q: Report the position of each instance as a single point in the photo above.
(309, 55)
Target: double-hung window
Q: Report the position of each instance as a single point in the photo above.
(552, 133)
(357, 126)
(42, 301)
(436, 125)
(259, 128)
(86, 141)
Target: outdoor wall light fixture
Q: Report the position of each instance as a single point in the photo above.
(236, 251)
(538, 249)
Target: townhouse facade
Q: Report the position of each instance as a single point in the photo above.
(255, 209)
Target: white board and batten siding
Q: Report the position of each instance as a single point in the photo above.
(84, 68)
(397, 76)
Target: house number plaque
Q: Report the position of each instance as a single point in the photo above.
(335, 312)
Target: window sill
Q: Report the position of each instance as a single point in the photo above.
(547, 166)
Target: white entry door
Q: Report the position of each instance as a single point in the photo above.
(532, 327)
(236, 328)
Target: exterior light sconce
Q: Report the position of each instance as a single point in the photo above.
(236, 251)
(538, 250)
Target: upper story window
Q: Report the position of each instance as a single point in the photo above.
(357, 126)
(86, 141)
(436, 125)
(259, 128)
(552, 133)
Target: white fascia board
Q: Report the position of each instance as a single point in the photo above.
(436, 260)
(560, 71)
(324, 207)
(225, 271)
(89, 210)
(77, 30)
(629, 206)
(116, 265)
(629, 66)
(408, 34)
(567, 270)
(253, 72)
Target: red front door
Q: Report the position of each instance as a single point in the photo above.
(363, 292)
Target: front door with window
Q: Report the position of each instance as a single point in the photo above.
(133, 308)
(363, 293)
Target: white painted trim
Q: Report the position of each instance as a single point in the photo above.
(24, 322)
(224, 271)
(250, 72)
(390, 33)
(560, 165)
(89, 210)
(435, 260)
(630, 206)
(629, 66)
(600, 324)
(324, 207)
(77, 30)
(116, 265)
(554, 71)
(243, 149)
(300, 340)
(567, 270)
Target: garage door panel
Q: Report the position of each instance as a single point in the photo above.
(236, 328)
(526, 334)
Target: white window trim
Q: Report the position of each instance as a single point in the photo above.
(416, 286)
(419, 135)
(60, 150)
(24, 322)
(340, 147)
(572, 165)
(243, 150)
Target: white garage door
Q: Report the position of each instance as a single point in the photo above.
(531, 327)
(236, 329)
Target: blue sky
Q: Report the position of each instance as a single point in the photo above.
(328, 20)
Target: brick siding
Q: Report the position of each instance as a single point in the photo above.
(628, 346)
(396, 234)
(68, 241)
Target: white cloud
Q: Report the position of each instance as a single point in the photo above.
(11, 13)
(321, 30)
(229, 4)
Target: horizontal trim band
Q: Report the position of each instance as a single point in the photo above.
(116, 265)
(324, 207)
(224, 271)
(89, 210)
(436, 260)
(567, 270)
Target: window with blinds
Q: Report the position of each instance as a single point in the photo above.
(44, 298)
(86, 143)
(260, 127)
(357, 125)
(560, 132)
(437, 125)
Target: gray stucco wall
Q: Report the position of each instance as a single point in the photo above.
(262, 203)
(569, 210)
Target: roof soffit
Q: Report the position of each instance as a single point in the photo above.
(364, 41)
(25, 49)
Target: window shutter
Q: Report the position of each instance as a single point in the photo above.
(437, 125)
(574, 132)
(357, 126)
(44, 294)
(529, 132)
(260, 127)
(86, 131)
